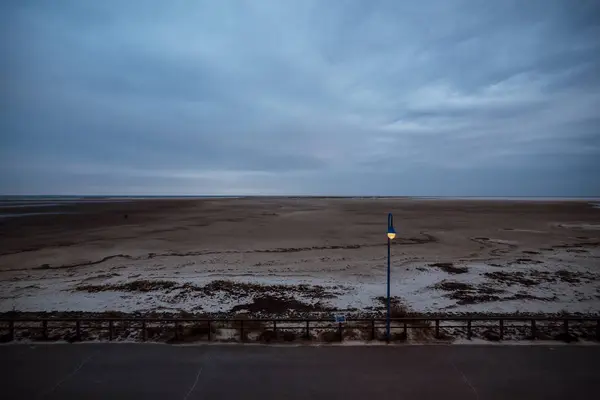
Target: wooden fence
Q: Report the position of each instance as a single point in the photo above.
(203, 329)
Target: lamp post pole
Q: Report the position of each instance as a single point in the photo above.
(387, 323)
(391, 233)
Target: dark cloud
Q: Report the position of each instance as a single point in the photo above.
(302, 97)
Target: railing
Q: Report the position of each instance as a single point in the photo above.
(565, 328)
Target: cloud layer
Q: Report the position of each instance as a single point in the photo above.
(301, 97)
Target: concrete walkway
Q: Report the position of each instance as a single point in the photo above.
(154, 371)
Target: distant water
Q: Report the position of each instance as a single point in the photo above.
(508, 198)
(34, 204)
(3, 216)
(88, 199)
(54, 201)
(18, 202)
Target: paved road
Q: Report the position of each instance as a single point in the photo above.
(147, 371)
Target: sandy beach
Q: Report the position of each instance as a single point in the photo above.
(284, 255)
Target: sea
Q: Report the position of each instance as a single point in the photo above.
(12, 206)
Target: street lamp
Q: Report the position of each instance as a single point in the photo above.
(391, 233)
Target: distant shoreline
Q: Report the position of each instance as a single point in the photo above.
(66, 198)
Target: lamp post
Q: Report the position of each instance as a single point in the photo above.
(391, 233)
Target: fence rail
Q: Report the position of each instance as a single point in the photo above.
(565, 328)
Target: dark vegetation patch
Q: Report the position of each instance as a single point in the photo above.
(566, 337)
(491, 335)
(189, 333)
(394, 337)
(248, 324)
(30, 287)
(576, 245)
(261, 299)
(573, 277)
(452, 285)
(420, 330)
(526, 296)
(232, 289)
(533, 278)
(524, 261)
(246, 289)
(277, 305)
(511, 278)
(463, 297)
(142, 285)
(465, 293)
(267, 336)
(450, 268)
(397, 309)
(329, 336)
(289, 336)
(199, 330)
(579, 251)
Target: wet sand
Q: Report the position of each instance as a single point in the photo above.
(446, 230)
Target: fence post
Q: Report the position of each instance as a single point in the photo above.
(275, 329)
(208, 330)
(437, 328)
(340, 331)
(469, 333)
(307, 330)
(110, 330)
(533, 330)
(501, 329)
(11, 330)
(372, 329)
(144, 331)
(78, 330)
(45, 330)
(242, 330)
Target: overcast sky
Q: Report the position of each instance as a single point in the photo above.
(483, 98)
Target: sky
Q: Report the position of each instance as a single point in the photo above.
(278, 97)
